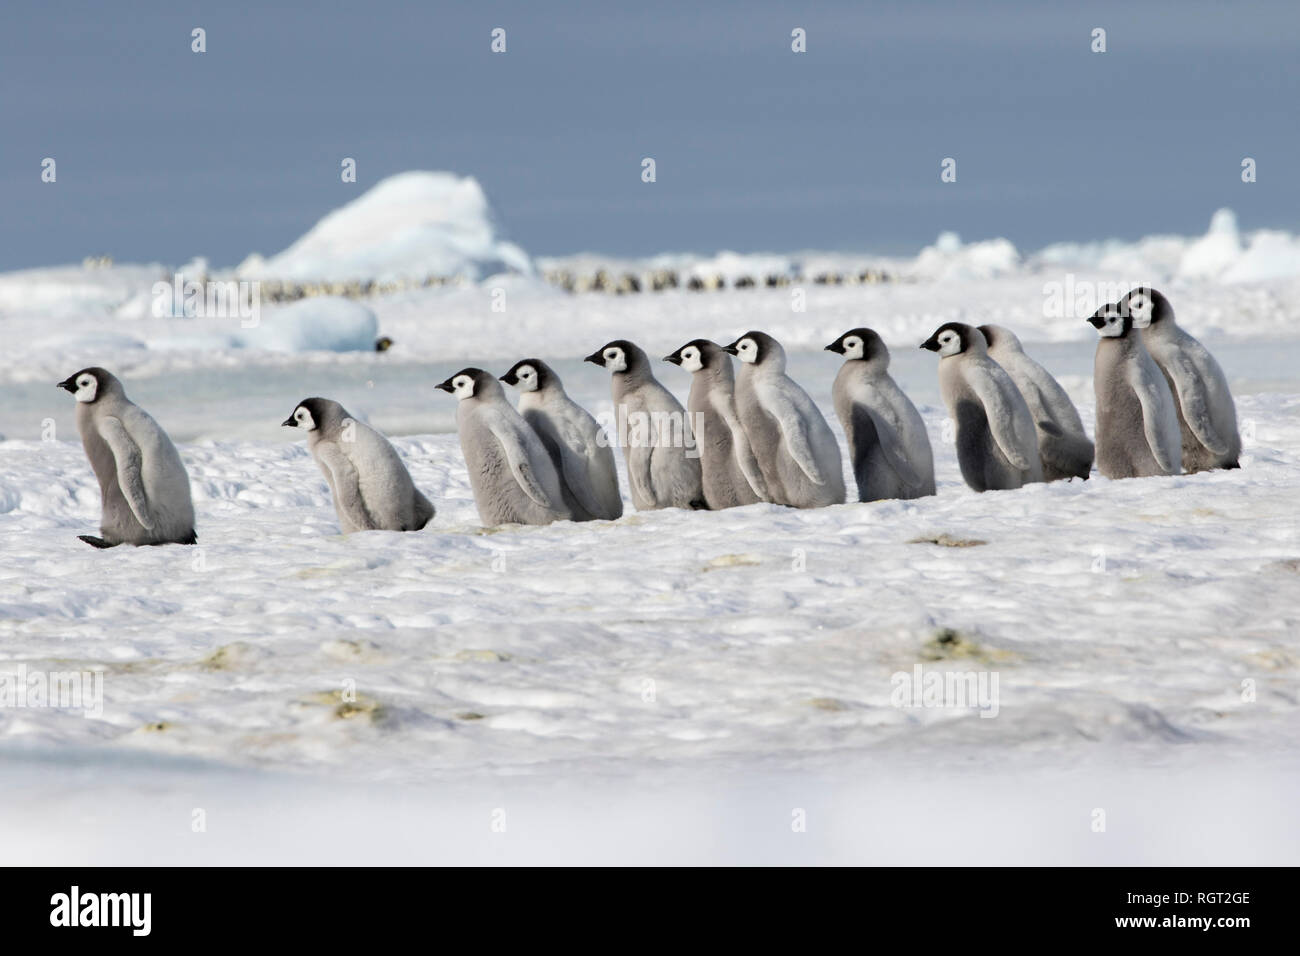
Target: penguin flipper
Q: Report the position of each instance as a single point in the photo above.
(742, 449)
(1191, 399)
(126, 455)
(573, 464)
(1153, 395)
(517, 457)
(749, 464)
(1000, 414)
(794, 429)
(893, 451)
(346, 484)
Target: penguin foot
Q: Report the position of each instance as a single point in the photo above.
(94, 542)
(698, 505)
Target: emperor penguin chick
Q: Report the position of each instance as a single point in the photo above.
(663, 465)
(144, 488)
(512, 476)
(1137, 417)
(730, 471)
(578, 448)
(1063, 445)
(888, 443)
(1207, 416)
(997, 445)
(795, 448)
(371, 488)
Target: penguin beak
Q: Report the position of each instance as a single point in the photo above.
(932, 343)
(675, 358)
(289, 423)
(446, 386)
(732, 347)
(509, 378)
(1096, 321)
(834, 347)
(68, 383)
(595, 358)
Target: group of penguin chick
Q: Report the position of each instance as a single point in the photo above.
(1163, 406)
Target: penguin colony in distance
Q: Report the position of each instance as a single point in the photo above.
(1163, 407)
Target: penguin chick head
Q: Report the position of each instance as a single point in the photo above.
(91, 384)
(1111, 321)
(696, 355)
(860, 345)
(314, 413)
(755, 348)
(954, 338)
(997, 335)
(469, 383)
(528, 375)
(618, 356)
(1146, 306)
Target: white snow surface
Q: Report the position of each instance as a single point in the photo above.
(670, 649)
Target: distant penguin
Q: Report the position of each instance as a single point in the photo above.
(1207, 416)
(730, 471)
(579, 450)
(144, 488)
(795, 448)
(1063, 445)
(997, 445)
(663, 465)
(888, 444)
(1137, 415)
(371, 488)
(512, 476)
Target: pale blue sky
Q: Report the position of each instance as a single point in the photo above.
(164, 154)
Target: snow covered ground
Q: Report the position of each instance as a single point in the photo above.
(670, 687)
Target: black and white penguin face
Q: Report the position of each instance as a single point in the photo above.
(461, 385)
(854, 344)
(745, 349)
(310, 414)
(84, 386)
(1145, 306)
(950, 339)
(690, 357)
(1111, 322)
(620, 356)
(853, 347)
(615, 359)
(524, 376)
(301, 418)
